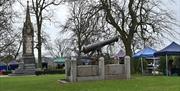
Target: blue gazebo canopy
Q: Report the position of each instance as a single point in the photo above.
(146, 52)
(172, 49)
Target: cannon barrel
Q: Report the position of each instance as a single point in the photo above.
(98, 45)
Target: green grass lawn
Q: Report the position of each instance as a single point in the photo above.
(50, 83)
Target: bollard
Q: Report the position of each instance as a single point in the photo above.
(73, 71)
(127, 67)
(101, 68)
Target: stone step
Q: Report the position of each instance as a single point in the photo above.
(26, 69)
(18, 71)
(29, 71)
(29, 64)
(29, 68)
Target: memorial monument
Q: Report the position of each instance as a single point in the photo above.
(27, 67)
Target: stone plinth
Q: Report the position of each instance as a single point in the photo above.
(27, 67)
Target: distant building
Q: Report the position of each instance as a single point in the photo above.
(49, 61)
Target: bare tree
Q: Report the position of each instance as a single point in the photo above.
(8, 37)
(144, 18)
(63, 47)
(5, 24)
(40, 7)
(86, 24)
(59, 48)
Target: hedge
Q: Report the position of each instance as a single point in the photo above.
(58, 71)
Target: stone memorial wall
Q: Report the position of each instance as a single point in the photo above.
(75, 73)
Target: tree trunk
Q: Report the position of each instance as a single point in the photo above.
(128, 48)
(129, 53)
(39, 49)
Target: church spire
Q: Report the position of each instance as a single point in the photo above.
(28, 19)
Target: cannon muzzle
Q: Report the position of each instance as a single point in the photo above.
(98, 45)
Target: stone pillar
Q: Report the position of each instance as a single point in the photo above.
(73, 74)
(127, 67)
(101, 68)
(67, 66)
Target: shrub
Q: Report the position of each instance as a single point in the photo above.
(162, 66)
(136, 68)
(57, 71)
(6, 72)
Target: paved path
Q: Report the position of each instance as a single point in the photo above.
(15, 76)
(4, 76)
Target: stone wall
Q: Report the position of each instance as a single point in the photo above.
(114, 69)
(76, 72)
(87, 70)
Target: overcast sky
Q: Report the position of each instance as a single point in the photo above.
(175, 7)
(62, 13)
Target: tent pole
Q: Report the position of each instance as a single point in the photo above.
(142, 66)
(154, 64)
(7, 67)
(166, 65)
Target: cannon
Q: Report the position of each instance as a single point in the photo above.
(97, 46)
